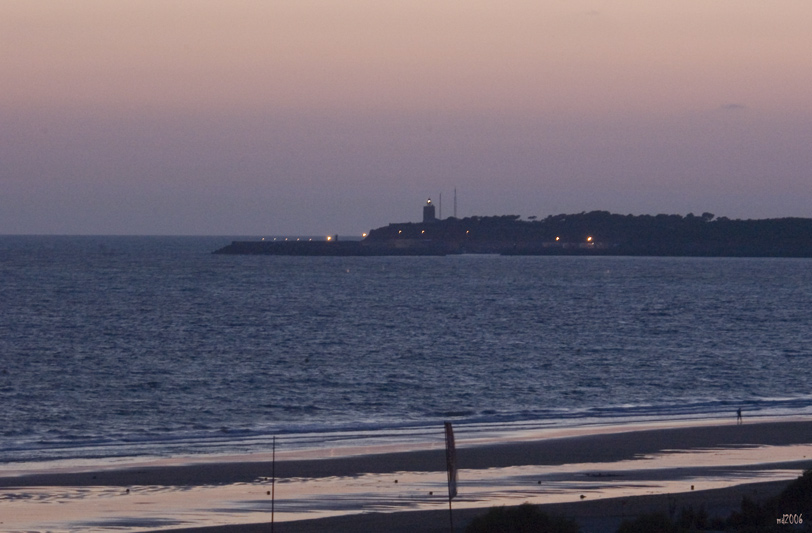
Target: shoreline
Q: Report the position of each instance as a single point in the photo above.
(554, 446)
(602, 464)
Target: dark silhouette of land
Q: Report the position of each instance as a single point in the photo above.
(593, 233)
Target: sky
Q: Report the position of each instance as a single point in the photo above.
(317, 117)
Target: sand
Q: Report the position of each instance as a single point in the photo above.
(597, 475)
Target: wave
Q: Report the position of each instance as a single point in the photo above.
(315, 435)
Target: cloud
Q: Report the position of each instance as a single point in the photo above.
(733, 107)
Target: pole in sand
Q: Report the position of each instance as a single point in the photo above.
(451, 467)
(273, 479)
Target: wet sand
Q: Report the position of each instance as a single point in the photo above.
(594, 516)
(596, 475)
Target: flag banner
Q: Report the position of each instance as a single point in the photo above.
(451, 460)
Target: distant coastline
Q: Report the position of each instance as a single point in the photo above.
(593, 233)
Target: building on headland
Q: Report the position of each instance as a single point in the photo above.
(593, 233)
(428, 212)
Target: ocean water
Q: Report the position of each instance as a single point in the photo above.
(131, 346)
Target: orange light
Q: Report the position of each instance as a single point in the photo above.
(589, 239)
(557, 238)
(329, 238)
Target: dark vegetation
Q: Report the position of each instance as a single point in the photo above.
(611, 234)
(688, 520)
(753, 517)
(795, 500)
(525, 518)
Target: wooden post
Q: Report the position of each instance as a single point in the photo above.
(451, 466)
(273, 481)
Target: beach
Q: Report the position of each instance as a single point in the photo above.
(596, 474)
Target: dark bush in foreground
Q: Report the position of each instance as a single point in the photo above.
(688, 520)
(795, 501)
(756, 517)
(525, 518)
(649, 523)
(695, 520)
(797, 497)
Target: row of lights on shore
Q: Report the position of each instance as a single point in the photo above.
(329, 238)
(363, 235)
(588, 239)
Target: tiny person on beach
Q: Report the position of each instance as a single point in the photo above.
(738, 416)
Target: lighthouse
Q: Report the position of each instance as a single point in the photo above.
(428, 212)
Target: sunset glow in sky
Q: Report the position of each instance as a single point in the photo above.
(325, 116)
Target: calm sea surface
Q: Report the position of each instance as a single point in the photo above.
(123, 346)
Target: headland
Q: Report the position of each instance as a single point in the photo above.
(593, 233)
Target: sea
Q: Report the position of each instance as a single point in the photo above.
(129, 347)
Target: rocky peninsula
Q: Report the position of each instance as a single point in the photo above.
(592, 233)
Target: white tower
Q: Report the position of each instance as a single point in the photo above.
(428, 212)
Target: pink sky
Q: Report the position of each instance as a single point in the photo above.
(326, 116)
